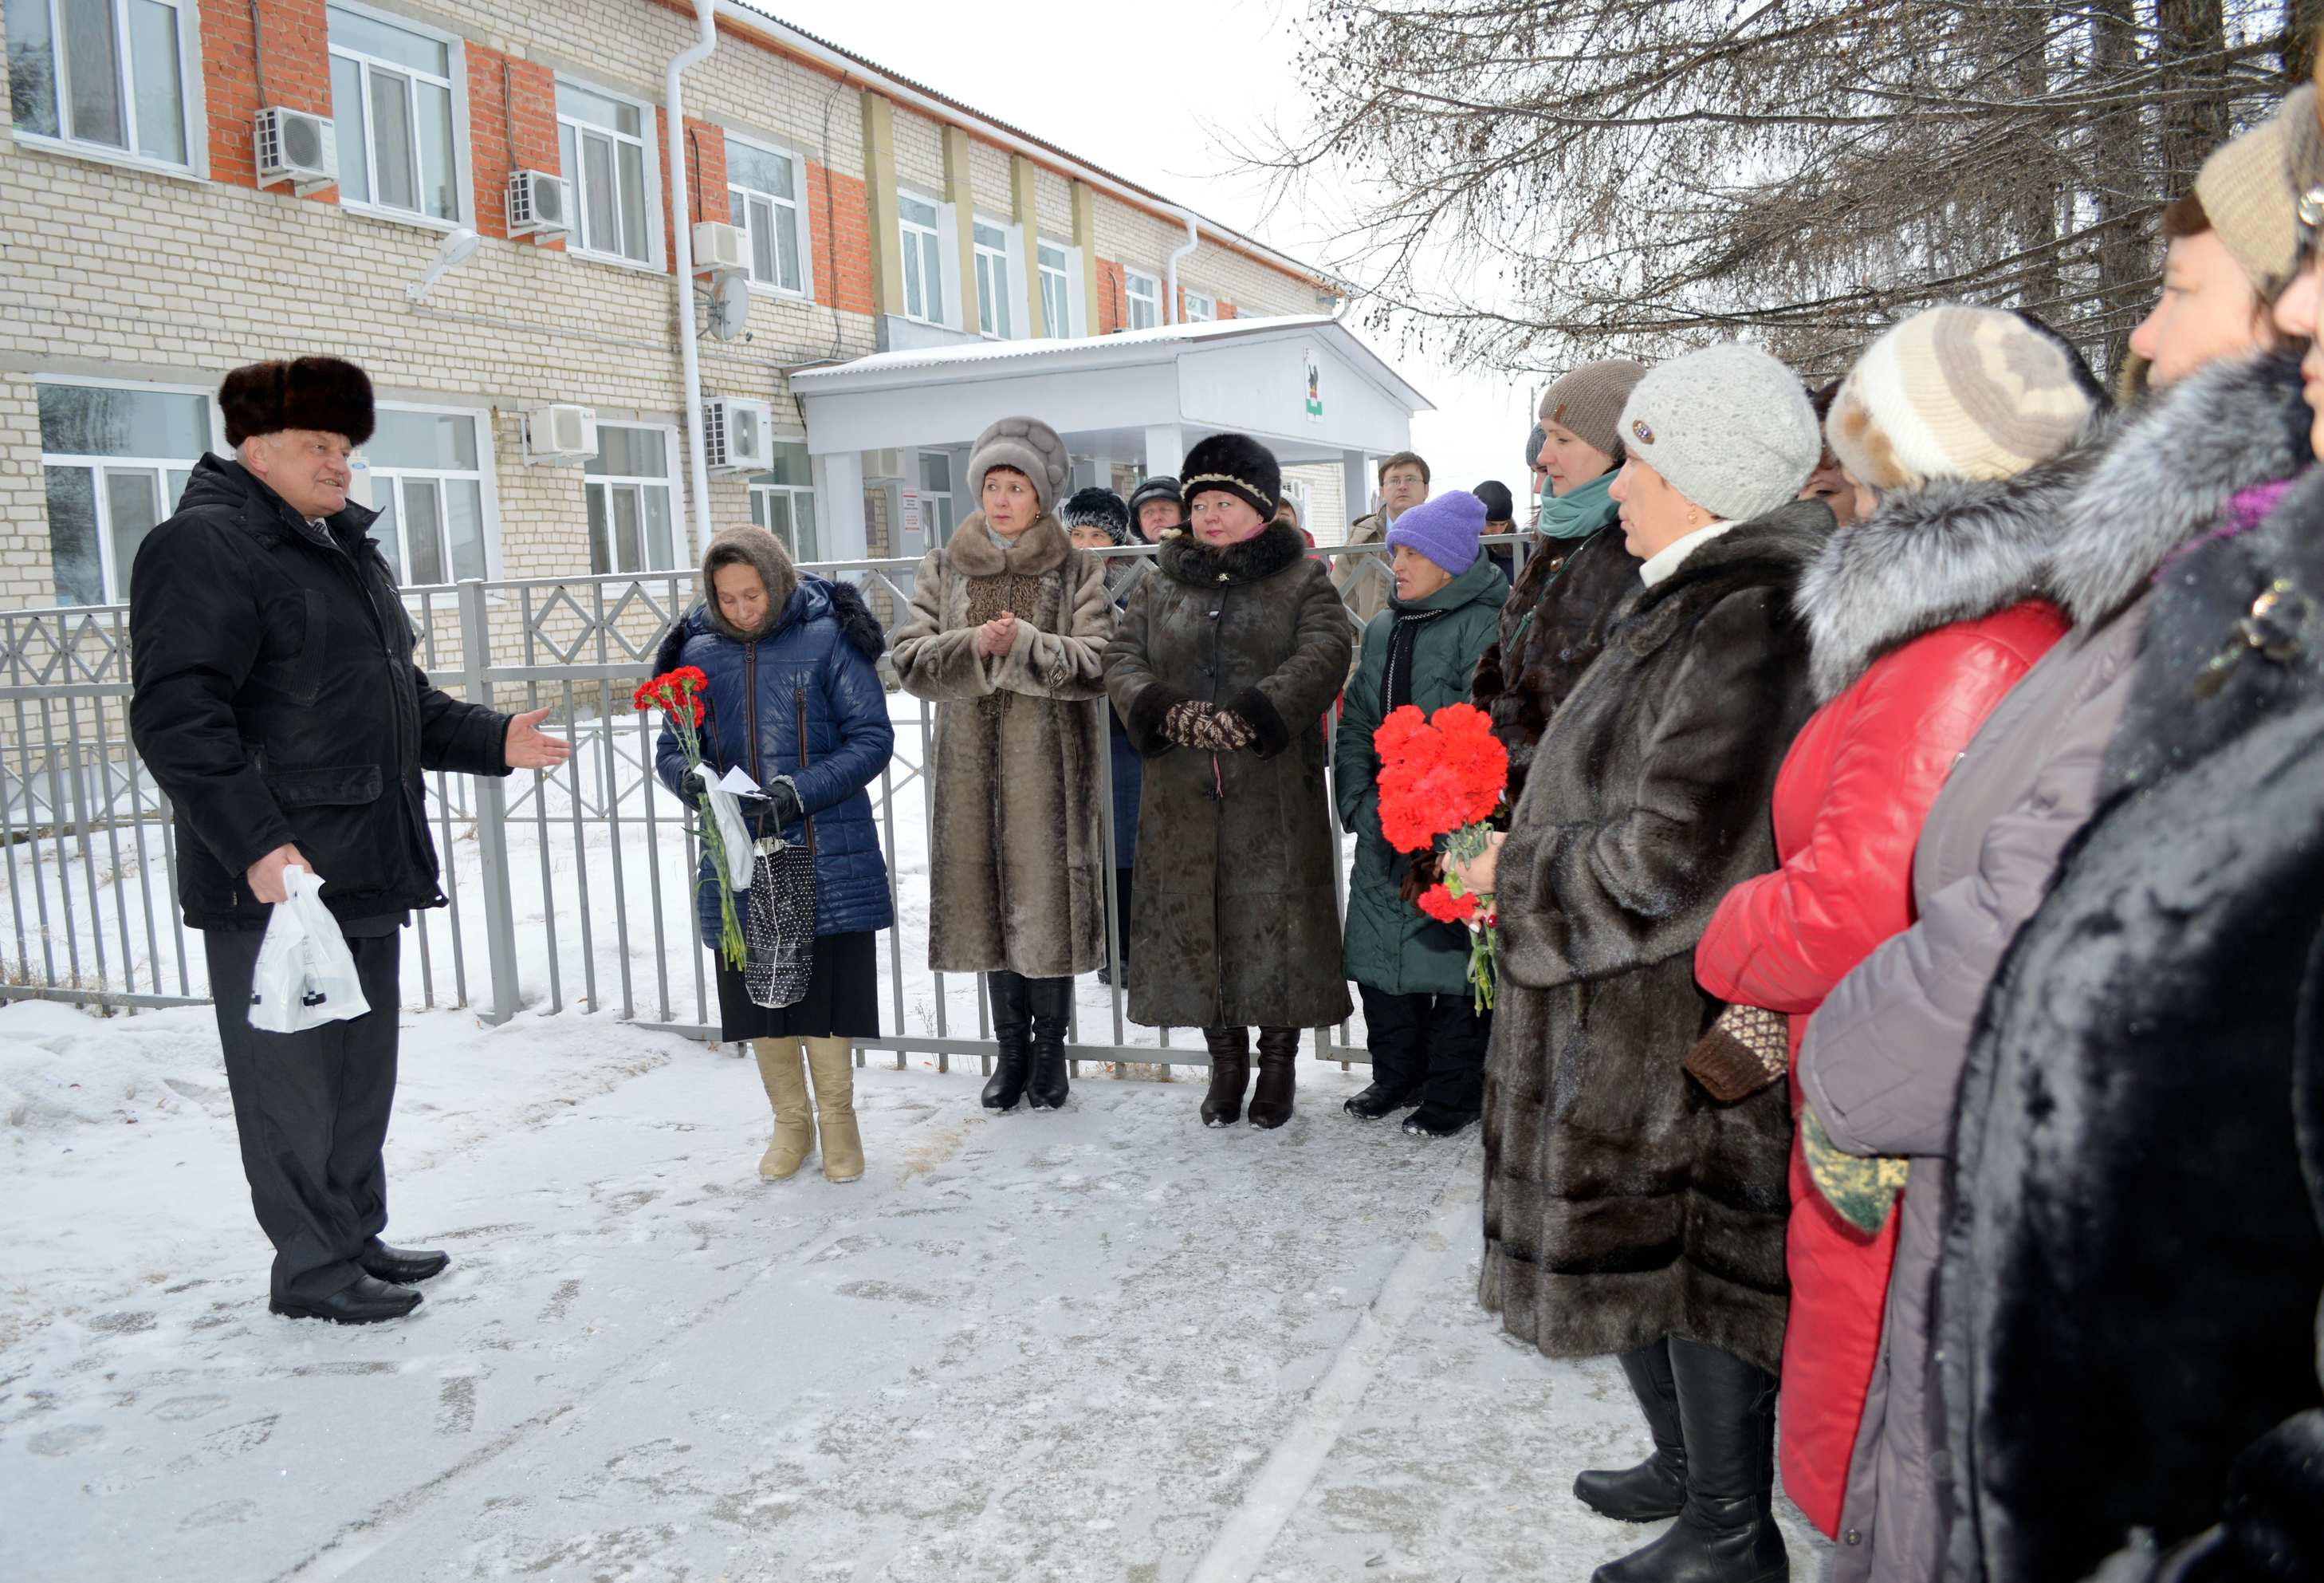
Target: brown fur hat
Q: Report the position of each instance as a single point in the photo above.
(327, 394)
(754, 547)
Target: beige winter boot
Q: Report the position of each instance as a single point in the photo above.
(832, 1063)
(786, 1081)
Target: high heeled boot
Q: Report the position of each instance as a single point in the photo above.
(1230, 1075)
(785, 1081)
(1278, 1056)
(1656, 1487)
(1012, 1030)
(1051, 1001)
(832, 1063)
(1726, 1533)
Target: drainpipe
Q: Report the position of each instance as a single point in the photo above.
(682, 242)
(1194, 240)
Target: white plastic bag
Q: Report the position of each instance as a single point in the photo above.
(306, 975)
(727, 809)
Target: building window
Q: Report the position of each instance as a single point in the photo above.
(392, 104)
(1201, 310)
(1056, 298)
(937, 510)
(115, 460)
(992, 280)
(106, 74)
(629, 499)
(428, 483)
(782, 501)
(919, 220)
(763, 196)
(602, 140)
(1145, 294)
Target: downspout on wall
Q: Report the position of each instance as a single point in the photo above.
(1170, 314)
(682, 267)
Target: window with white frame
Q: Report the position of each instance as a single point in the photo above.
(106, 74)
(393, 107)
(1056, 294)
(992, 280)
(783, 500)
(1201, 309)
(114, 459)
(1145, 295)
(630, 516)
(428, 470)
(603, 142)
(765, 197)
(937, 511)
(921, 224)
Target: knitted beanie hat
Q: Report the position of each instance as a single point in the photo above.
(2245, 189)
(1501, 506)
(1535, 440)
(1027, 445)
(1443, 527)
(1588, 401)
(1239, 464)
(1956, 392)
(1098, 509)
(1729, 427)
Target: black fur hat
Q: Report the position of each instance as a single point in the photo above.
(1237, 464)
(328, 394)
(1099, 508)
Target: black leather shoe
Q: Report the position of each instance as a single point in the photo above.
(1655, 1488)
(367, 1302)
(1436, 1121)
(403, 1266)
(1379, 1100)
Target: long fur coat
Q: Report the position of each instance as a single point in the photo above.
(1622, 1204)
(2131, 1266)
(1016, 855)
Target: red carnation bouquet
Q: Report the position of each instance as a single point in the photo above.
(678, 695)
(1444, 776)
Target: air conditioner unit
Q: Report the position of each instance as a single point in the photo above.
(737, 436)
(720, 248)
(296, 147)
(539, 204)
(879, 464)
(560, 433)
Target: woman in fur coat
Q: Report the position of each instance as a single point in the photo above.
(1922, 620)
(1008, 625)
(1097, 519)
(1625, 1209)
(1226, 664)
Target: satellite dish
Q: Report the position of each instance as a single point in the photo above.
(730, 305)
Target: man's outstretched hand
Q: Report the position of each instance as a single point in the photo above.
(530, 747)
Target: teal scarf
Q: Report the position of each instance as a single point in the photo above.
(1579, 514)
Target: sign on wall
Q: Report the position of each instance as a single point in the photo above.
(1314, 389)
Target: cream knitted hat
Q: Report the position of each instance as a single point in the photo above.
(2246, 190)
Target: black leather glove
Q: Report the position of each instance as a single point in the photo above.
(783, 806)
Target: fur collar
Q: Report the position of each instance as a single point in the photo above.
(2167, 475)
(1766, 550)
(1957, 551)
(1040, 550)
(1187, 559)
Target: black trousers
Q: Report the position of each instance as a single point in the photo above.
(1432, 1045)
(311, 1108)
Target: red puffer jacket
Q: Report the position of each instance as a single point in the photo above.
(1847, 808)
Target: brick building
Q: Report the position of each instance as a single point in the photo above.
(143, 258)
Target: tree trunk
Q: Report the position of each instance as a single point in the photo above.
(2190, 37)
(2302, 21)
(2117, 158)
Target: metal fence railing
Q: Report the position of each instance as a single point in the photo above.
(567, 888)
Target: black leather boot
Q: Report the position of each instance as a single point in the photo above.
(1270, 1102)
(1230, 1075)
(1726, 1533)
(1012, 1030)
(1052, 1003)
(1656, 1487)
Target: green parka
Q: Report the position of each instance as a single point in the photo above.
(1390, 944)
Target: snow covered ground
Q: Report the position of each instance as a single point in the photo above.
(1102, 1345)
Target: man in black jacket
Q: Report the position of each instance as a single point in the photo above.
(277, 703)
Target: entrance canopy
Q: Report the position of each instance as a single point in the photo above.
(1306, 385)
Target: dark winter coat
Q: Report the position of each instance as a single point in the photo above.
(1391, 944)
(2131, 1263)
(820, 651)
(277, 702)
(1017, 857)
(1921, 623)
(1129, 767)
(1622, 1204)
(1237, 922)
(1551, 629)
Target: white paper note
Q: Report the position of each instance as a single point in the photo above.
(740, 784)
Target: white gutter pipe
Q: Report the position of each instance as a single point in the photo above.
(1193, 239)
(682, 242)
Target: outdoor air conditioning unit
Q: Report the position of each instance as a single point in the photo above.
(560, 433)
(737, 436)
(539, 204)
(296, 147)
(720, 248)
(885, 464)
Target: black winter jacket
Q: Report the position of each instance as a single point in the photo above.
(276, 700)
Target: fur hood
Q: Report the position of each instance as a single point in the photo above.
(1189, 560)
(1038, 551)
(1958, 550)
(2168, 472)
(759, 550)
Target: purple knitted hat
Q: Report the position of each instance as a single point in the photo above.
(1444, 528)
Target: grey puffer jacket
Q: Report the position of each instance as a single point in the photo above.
(1881, 1062)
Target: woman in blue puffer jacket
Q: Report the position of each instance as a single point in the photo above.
(780, 648)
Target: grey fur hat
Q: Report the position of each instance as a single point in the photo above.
(1027, 445)
(1099, 508)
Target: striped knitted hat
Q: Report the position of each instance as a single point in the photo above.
(1956, 392)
